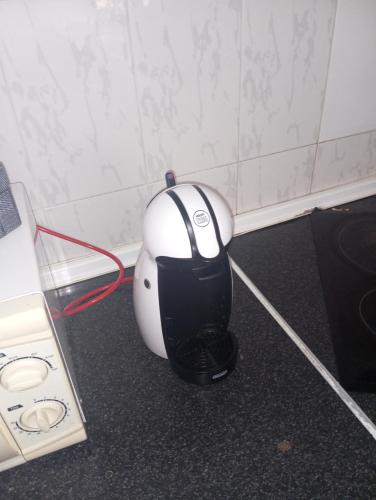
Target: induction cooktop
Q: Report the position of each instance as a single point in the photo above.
(345, 241)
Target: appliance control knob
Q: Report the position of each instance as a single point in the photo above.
(23, 374)
(42, 416)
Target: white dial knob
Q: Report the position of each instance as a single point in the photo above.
(42, 416)
(23, 374)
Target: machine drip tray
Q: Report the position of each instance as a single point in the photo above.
(207, 357)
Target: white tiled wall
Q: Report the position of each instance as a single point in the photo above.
(344, 160)
(285, 52)
(275, 178)
(187, 65)
(68, 75)
(98, 98)
(108, 220)
(350, 103)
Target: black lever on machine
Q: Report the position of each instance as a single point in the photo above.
(170, 178)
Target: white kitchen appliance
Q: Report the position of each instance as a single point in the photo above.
(39, 408)
(183, 282)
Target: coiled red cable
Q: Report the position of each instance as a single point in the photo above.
(82, 303)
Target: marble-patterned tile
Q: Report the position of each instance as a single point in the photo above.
(187, 67)
(350, 100)
(275, 178)
(344, 160)
(222, 179)
(285, 54)
(73, 130)
(12, 150)
(108, 221)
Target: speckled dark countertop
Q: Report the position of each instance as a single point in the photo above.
(273, 429)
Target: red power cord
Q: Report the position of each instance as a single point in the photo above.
(98, 294)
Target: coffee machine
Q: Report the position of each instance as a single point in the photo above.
(183, 282)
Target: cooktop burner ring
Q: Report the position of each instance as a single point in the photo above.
(367, 311)
(356, 242)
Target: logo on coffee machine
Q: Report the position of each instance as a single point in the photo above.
(201, 218)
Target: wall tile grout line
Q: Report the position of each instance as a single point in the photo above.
(297, 147)
(369, 131)
(312, 358)
(324, 98)
(132, 54)
(81, 268)
(106, 193)
(193, 172)
(313, 169)
(239, 104)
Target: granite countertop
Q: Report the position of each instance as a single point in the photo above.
(273, 429)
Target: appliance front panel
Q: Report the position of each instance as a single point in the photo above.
(10, 454)
(193, 295)
(36, 399)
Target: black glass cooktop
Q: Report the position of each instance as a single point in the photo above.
(319, 271)
(346, 254)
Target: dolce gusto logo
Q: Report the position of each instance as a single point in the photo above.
(201, 218)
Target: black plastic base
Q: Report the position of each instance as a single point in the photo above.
(207, 358)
